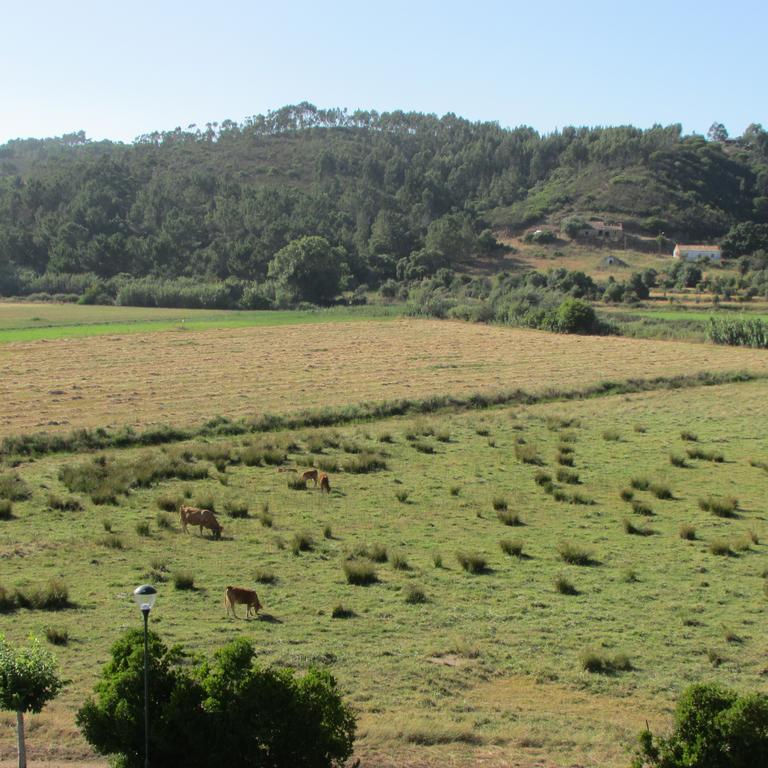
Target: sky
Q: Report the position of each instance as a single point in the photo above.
(117, 70)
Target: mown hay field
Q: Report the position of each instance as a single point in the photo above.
(442, 665)
(184, 377)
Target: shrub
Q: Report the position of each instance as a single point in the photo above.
(52, 596)
(264, 576)
(677, 461)
(56, 635)
(611, 435)
(640, 483)
(142, 528)
(236, 509)
(402, 496)
(720, 506)
(528, 455)
(720, 547)
(399, 562)
(574, 554)
(601, 663)
(499, 503)
(164, 521)
(512, 547)
(364, 463)
(415, 595)
(302, 542)
(687, 532)
(70, 504)
(689, 436)
(565, 476)
(508, 517)
(472, 562)
(360, 572)
(261, 706)
(660, 490)
(183, 580)
(340, 612)
(564, 586)
(111, 541)
(626, 494)
(13, 488)
(6, 510)
(714, 726)
(641, 508)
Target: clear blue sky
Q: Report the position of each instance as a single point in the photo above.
(119, 69)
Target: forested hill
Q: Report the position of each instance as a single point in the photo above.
(393, 194)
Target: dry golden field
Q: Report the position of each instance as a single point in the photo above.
(185, 377)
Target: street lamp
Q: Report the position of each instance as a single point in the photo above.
(145, 597)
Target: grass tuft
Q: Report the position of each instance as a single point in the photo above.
(183, 580)
(687, 532)
(472, 562)
(574, 554)
(564, 586)
(508, 517)
(415, 595)
(722, 506)
(361, 573)
(513, 547)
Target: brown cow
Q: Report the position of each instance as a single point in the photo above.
(247, 597)
(310, 474)
(202, 517)
(325, 483)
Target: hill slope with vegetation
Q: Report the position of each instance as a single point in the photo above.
(304, 197)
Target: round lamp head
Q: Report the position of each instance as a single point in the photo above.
(145, 596)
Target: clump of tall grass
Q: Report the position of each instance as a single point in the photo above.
(676, 460)
(327, 532)
(69, 504)
(183, 580)
(611, 435)
(641, 508)
(340, 612)
(13, 488)
(508, 517)
(564, 459)
(631, 528)
(327, 464)
(574, 554)
(499, 503)
(7, 600)
(706, 455)
(360, 572)
(363, 463)
(689, 436)
(599, 662)
(168, 503)
(57, 635)
(513, 547)
(687, 532)
(661, 490)
(528, 455)
(568, 477)
(265, 516)
(376, 553)
(542, 478)
(236, 508)
(640, 428)
(296, 483)
(722, 506)
(51, 596)
(414, 594)
(472, 562)
(437, 560)
(720, 547)
(385, 437)
(142, 528)
(399, 562)
(564, 586)
(6, 510)
(111, 541)
(626, 494)
(455, 490)
(443, 436)
(402, 496)
(640, 483)
(738, 332)
(264, 576)
(302, 542)
(423, 447)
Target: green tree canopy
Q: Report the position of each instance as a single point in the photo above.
(307, 269)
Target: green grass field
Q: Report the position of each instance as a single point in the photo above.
(34, 321)
(488, 664)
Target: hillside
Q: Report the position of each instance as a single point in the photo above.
(394, 195)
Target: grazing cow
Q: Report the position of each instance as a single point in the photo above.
(247, 597)
(325, 483)
(310, 474)
(202, 517)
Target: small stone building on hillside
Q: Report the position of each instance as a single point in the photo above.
(602, 231)
(696, 252)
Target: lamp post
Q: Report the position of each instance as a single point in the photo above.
(145, 597)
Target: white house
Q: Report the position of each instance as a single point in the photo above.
(696, 252)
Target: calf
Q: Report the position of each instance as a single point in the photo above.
(310, 474)
(202, 517)
(247, 597)
(325, 483)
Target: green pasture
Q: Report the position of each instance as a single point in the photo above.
(34, 321)
(679, 613)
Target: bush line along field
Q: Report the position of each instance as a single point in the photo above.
(179, 378)
(511, 606)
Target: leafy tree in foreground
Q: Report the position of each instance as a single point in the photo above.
(714, 728)
(28, 681)
(307, 269)
(228, 711)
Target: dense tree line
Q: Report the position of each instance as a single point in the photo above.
(392, 195)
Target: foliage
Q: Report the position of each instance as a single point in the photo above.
(715, 727)
(28, 677)
(227, 710)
